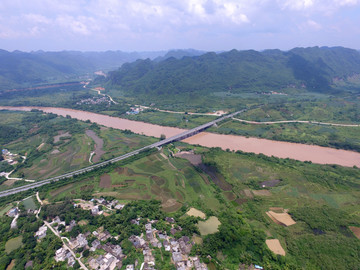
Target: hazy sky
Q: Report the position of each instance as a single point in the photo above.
(143, 25)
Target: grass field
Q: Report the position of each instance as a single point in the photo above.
(13, 243)
(59, 155)
(152, 177)
(5, 209)
(29, 204)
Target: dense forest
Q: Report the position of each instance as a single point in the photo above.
(313, 69)
(22, 69)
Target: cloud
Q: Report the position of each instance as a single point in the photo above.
(173, 23)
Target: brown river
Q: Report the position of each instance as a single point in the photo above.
(302, 152)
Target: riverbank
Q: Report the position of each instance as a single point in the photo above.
(302, 152)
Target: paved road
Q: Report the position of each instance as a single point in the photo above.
(178, 137)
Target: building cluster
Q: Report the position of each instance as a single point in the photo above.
(97, 206)
(63, 254)
(179, 248)
(41, 232)
(9, 157)
(94, 101)
(134, 110)
(105, 254)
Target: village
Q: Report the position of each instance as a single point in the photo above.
(95, 249)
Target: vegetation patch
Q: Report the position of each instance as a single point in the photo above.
(29, 204)
(13, 243)
(209, 226)
(60, 190)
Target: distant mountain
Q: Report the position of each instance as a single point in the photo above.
(21, 69)
(178, 54)
(313, 69)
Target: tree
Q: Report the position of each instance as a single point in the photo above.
(162, 137)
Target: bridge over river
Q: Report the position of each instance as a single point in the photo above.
(178, 137)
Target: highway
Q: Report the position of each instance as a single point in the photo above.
(178, 137)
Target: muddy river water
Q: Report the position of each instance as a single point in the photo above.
(302, 152)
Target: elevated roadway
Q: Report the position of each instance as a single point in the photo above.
(178, 137)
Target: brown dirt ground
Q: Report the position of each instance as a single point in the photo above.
(83, 222)
(158, 180)
(105, 181)
(277, 209)
(275, 246)
(262, 192)
(9, 182)
(11, 265)
(230, 196)
(196, 213)
(240, 201)
(281, 218)
(248, 193)
(356, 231)
(179, 196)
(171, 206)
(194, 159)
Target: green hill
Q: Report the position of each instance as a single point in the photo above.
(313, 69)
(22, 69)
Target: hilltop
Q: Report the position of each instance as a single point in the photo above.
(24, 69)
(313, 69)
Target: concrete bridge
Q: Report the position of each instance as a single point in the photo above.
(178, 137)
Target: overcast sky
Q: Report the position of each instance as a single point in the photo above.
(148, 25)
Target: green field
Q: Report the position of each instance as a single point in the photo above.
(13, 243)
(5, 209)
(174, 182)
(29, 204)
(47, 157)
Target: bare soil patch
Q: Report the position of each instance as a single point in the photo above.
(275, 246)
(99, 144)
(262, 192)
(9, 182)
(230, 196)
(240, 201)
(105, 181)
(55, 151)
(355, 230)
(83, 222)
(281, 218)
(194, 159)
(158, 180)
(196, 213)
(11, 265)
(171, 205)
(270, 183)
(248, 193)
(179, 196)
